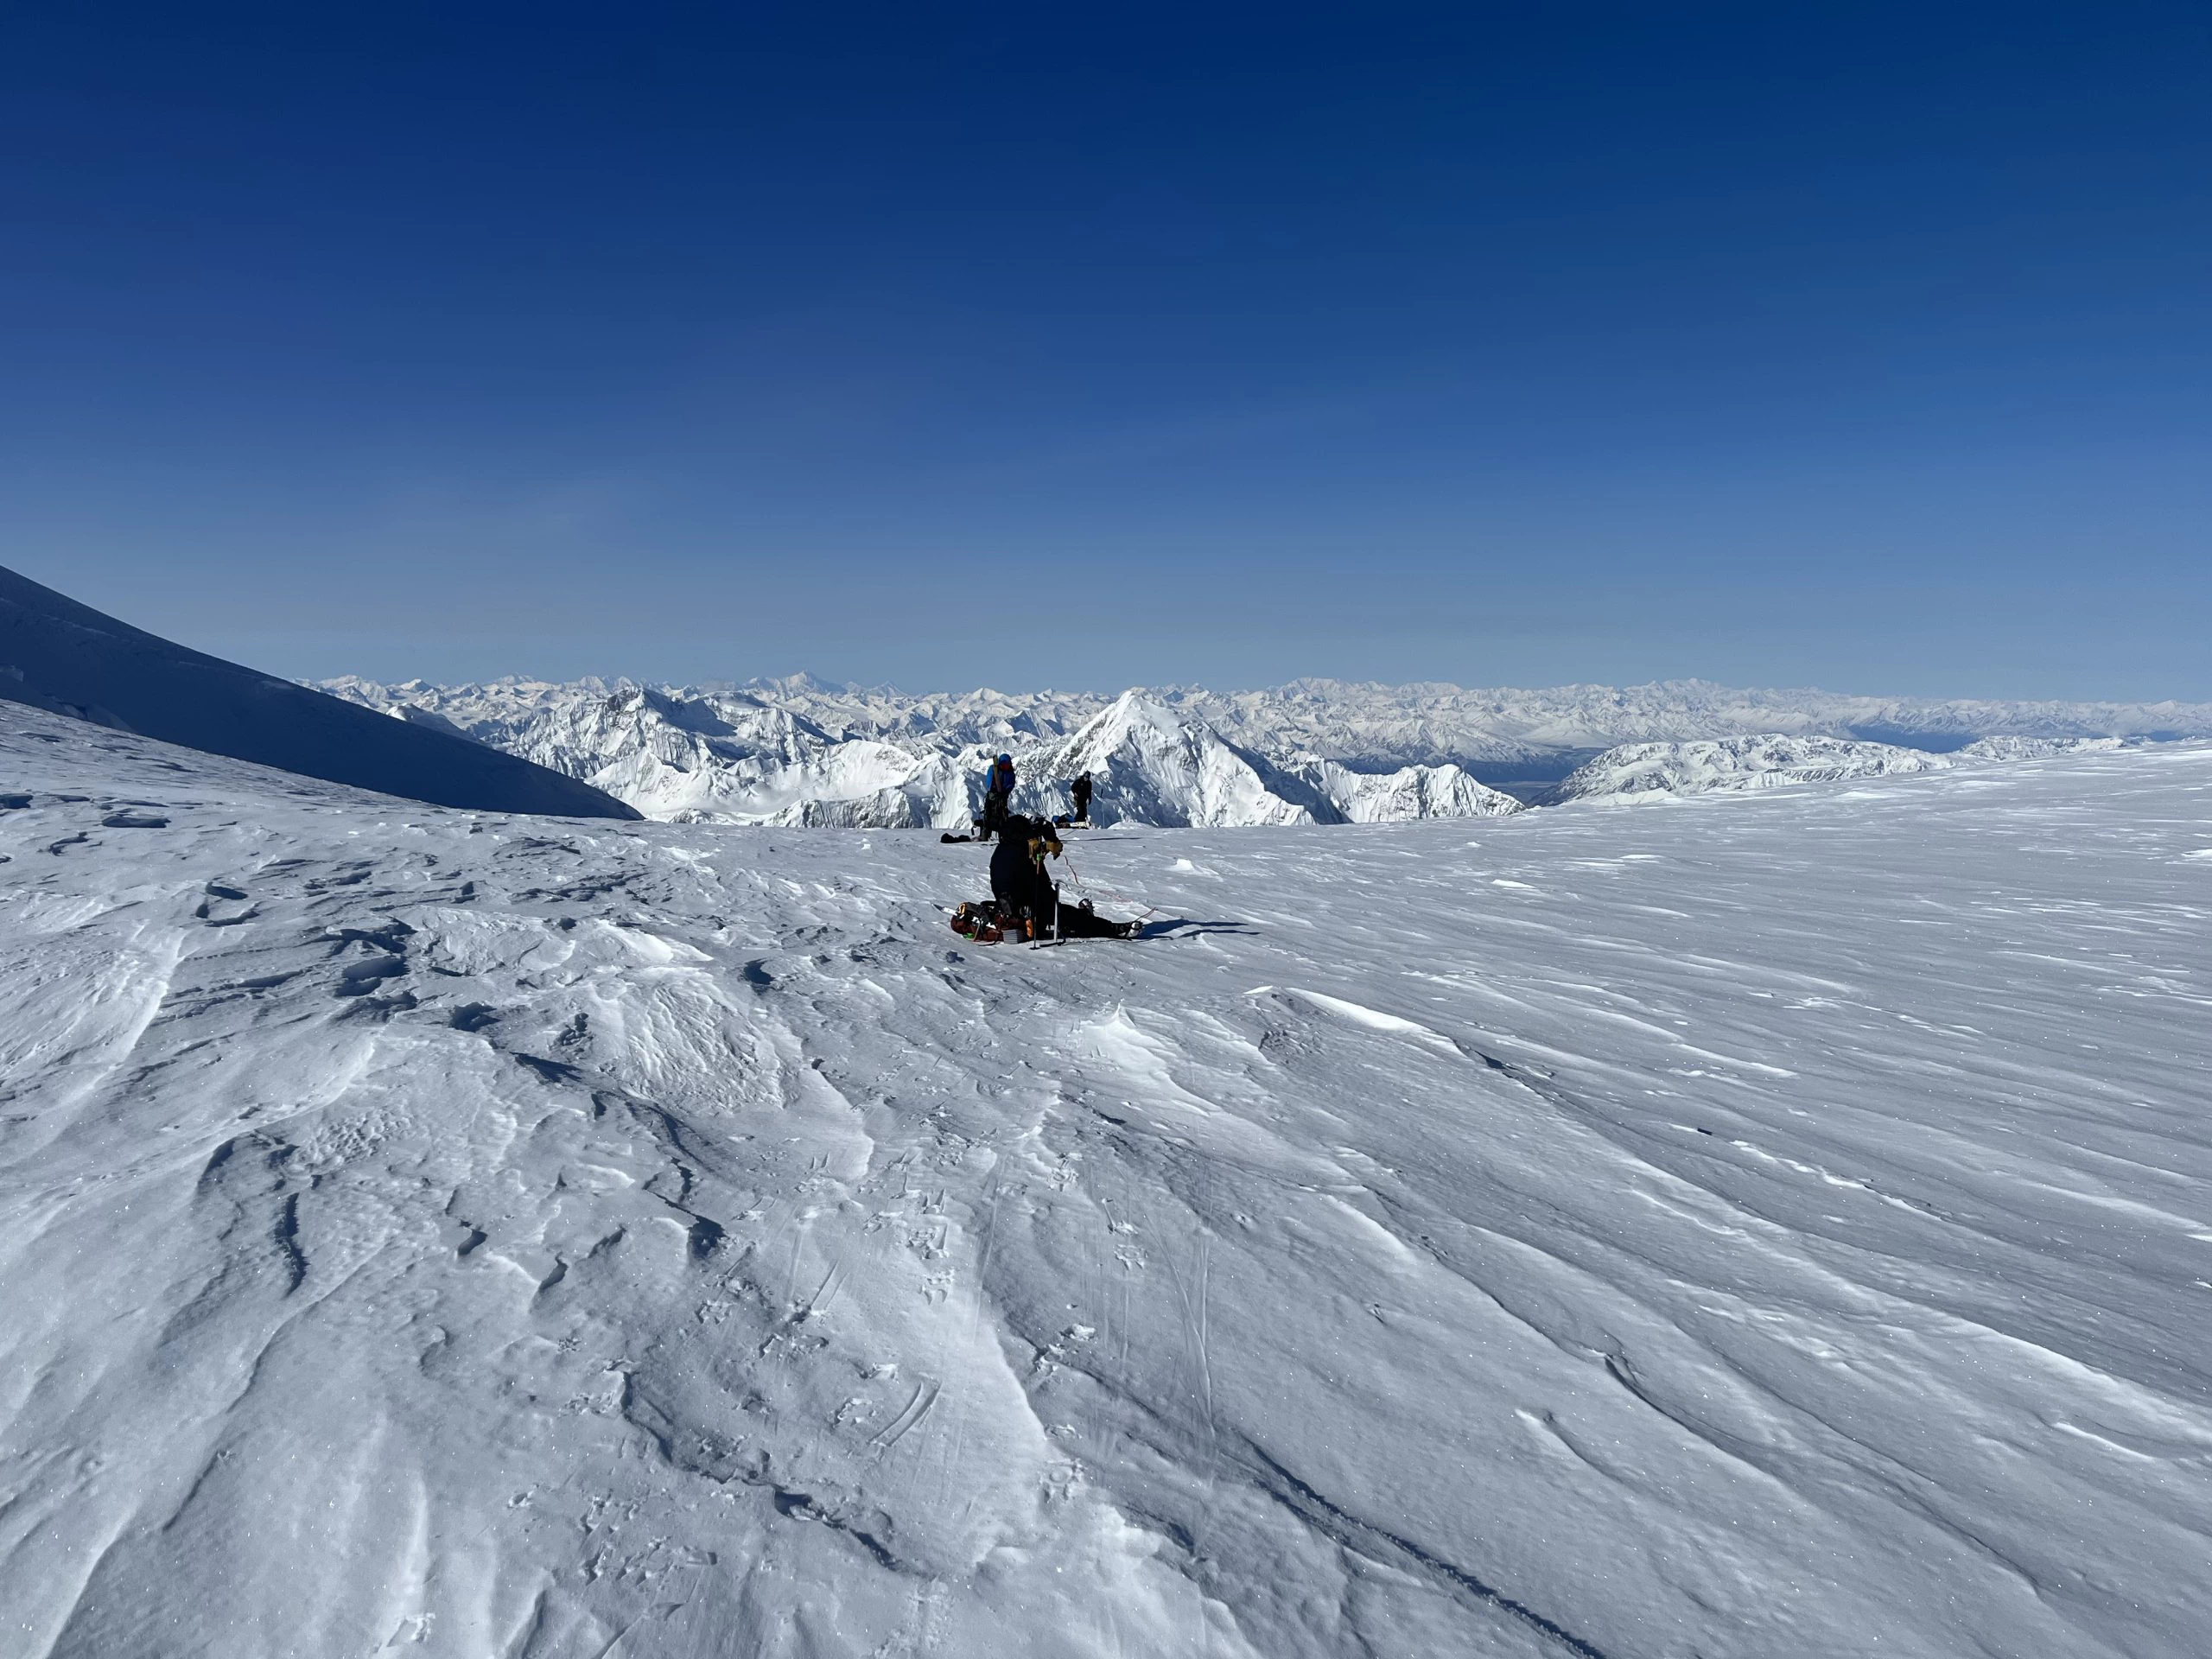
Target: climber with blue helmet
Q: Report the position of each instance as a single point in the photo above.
(998, 794)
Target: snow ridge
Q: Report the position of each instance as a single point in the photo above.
(68, 658)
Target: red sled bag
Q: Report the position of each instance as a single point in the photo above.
(974, 922)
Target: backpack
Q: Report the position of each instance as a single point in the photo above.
(976, 922)
(989, 924)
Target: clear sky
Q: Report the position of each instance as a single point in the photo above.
(1865, 345)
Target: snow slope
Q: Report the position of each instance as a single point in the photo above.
(1777, 1225)
(795, 750)
(68, 658)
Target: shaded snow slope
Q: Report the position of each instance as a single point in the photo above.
(1738, 763)
(1777, 1225)
(796, 751)
(68, 658)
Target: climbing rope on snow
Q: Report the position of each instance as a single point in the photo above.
(1145, 913)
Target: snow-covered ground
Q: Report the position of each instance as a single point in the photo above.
(1756, 1225)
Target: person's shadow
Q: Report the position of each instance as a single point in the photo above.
(1162, 926)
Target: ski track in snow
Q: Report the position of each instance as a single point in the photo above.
(1774, 1225)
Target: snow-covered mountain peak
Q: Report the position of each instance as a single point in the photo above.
(1768, 761)
(1134, 718)
(1153, 764)
(802, 684)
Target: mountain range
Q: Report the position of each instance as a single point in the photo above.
(799, 751)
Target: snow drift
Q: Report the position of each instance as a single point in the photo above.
(68, 658)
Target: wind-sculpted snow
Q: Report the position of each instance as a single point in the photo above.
(1775, 1225)
(796, 752)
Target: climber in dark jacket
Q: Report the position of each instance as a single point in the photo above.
(1019, 884)
(1080, 791)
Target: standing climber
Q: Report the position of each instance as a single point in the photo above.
(998, 791)
(1081, 791)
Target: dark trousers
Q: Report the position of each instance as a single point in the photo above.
(1082, 925)
(1042, 900)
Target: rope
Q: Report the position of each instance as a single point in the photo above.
(1143, 911)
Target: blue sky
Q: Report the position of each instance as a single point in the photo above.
(1865, 345)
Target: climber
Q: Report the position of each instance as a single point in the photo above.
(1022, 887)
(998, 791)
(1081, 792)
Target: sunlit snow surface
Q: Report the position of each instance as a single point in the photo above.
(1753, 1226)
